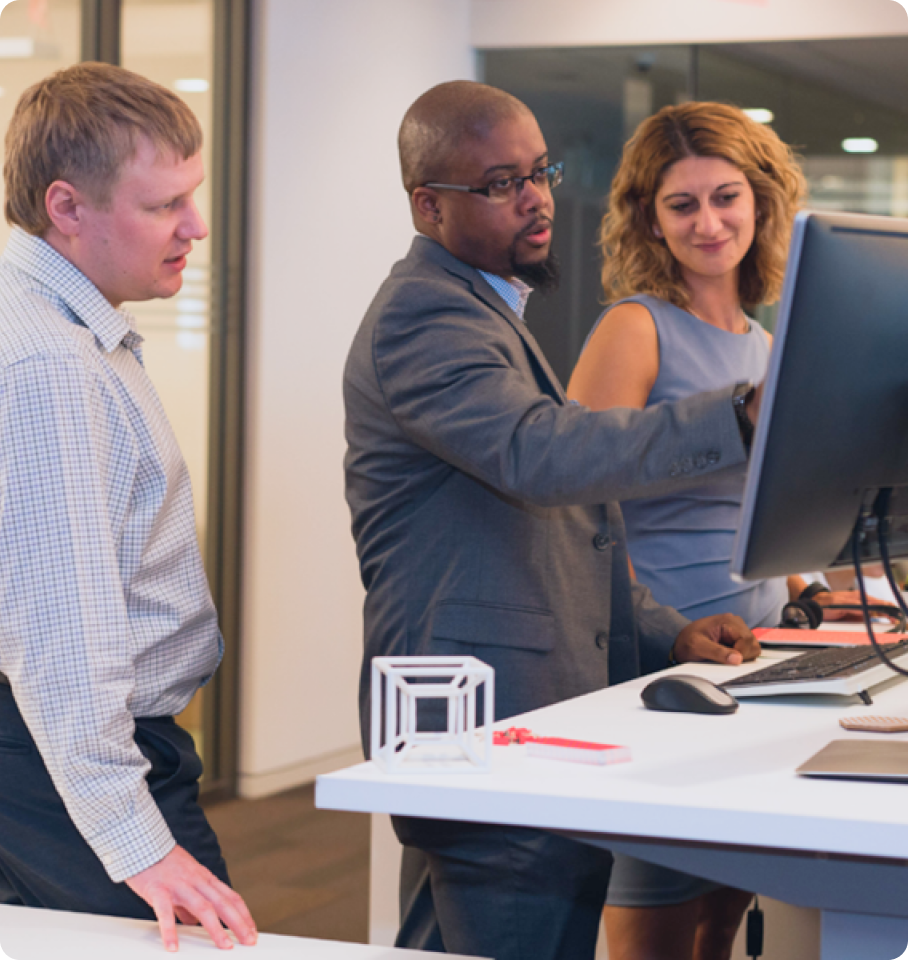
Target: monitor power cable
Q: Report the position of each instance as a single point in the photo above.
(754, 935)
(880, 513)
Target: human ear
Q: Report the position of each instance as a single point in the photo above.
(64, 204)
(425, 203)
(649, 216)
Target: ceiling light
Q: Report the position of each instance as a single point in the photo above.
(860, 145)
(17, 48)
(26, 48)
(760, 114)
(191, 85)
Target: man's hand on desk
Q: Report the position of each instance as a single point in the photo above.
(723, 638)
(179, 886)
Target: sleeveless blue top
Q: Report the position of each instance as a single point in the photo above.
(681, 545)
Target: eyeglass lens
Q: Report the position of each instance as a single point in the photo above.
(545, 178)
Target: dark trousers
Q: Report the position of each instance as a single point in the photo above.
(508, 893)
(45, 862)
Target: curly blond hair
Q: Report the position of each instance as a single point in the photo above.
(635, 261)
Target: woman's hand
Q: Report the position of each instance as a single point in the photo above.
(852, 597)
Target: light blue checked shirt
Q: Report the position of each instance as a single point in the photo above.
(105, 612)
(514, 292)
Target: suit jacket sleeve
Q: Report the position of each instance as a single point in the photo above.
(657, 629)
(456, 377)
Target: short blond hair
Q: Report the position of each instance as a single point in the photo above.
(635, 261)
(82, 125)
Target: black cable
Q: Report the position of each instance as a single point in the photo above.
(754, 937)
(881, 509)
(881, 505)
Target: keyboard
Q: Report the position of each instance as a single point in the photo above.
(835, 670)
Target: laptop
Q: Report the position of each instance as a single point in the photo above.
(883, 760)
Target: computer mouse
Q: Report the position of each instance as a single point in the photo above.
(684, 693)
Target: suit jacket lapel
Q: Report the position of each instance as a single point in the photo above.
(489, 297)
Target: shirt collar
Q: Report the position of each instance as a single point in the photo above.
(514, 292)
(38, 259)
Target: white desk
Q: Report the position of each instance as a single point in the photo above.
(30, 934)
(714, 795)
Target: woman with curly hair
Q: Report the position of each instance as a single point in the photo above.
(697, 230)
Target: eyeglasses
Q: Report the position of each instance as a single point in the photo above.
(507, 188)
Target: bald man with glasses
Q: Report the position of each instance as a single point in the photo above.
(484, 515)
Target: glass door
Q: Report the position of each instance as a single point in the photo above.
(171, 43)
(35, 39)
(194, 342)
(839, 103)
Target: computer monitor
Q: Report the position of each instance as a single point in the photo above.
(833, 425)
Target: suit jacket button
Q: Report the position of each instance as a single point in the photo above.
(602, 640)
(713, 456)
(686, 465)
(700, 462)
(601, 541)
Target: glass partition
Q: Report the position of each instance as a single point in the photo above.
(839, 103)
(193, 342)
(35, 39)
(587, 101)
(171, 43)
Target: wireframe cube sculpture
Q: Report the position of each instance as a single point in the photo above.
(401, 684)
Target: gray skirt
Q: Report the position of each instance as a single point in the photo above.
(636, 883)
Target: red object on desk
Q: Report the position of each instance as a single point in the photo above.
(504, 738)
(777, 637)
(558, 748)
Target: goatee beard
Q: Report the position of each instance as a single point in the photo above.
(542, 277)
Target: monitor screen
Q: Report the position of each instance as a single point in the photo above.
(833, 425)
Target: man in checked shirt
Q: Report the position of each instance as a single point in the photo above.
(107, 627)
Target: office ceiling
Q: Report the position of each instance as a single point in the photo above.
(820, 91)
(874, 70)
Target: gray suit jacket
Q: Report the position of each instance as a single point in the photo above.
(480, 495)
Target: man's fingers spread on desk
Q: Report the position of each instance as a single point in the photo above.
(163, 910)
(210, 920)
(186, 916)
(232, 911)
(239, 919)
(195, 892)
(214, 903)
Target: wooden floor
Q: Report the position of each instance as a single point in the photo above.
(302, 871)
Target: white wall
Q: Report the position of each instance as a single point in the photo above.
(329, 217)
(332, 80)
(589, 23)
